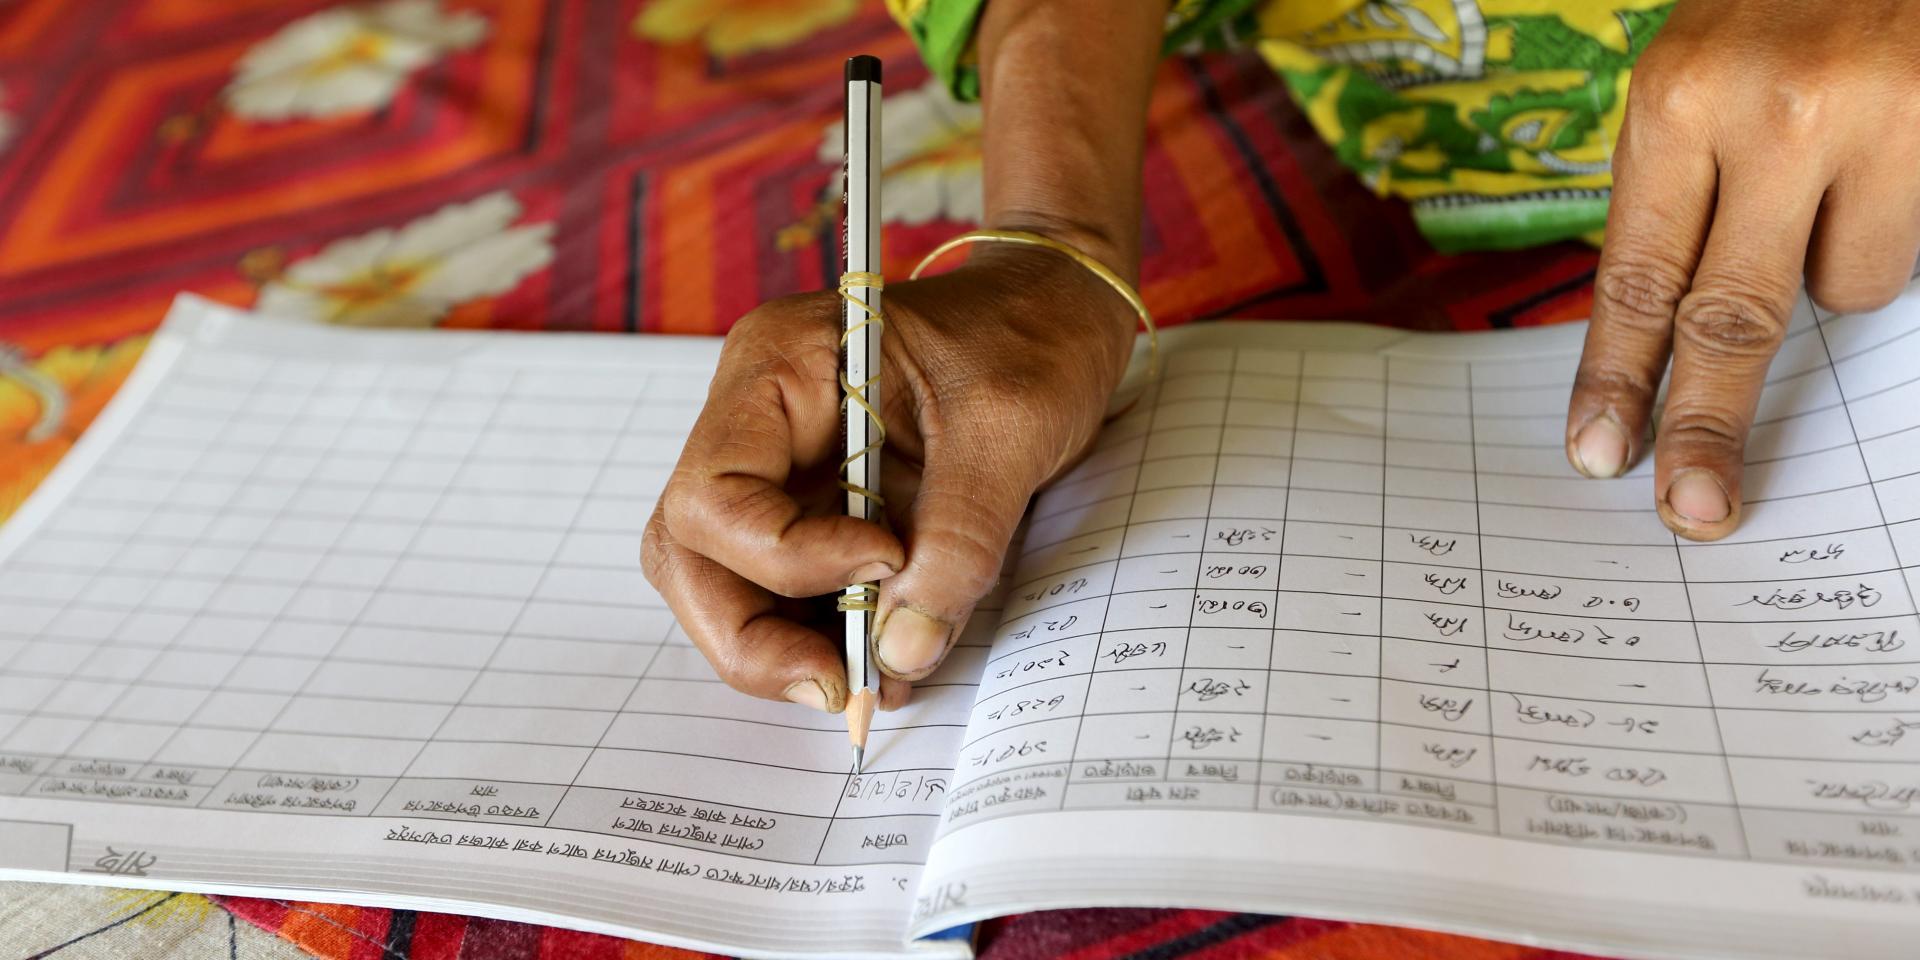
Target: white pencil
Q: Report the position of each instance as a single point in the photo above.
(862, 371)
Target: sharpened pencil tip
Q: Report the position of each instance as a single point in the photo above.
(859, 758)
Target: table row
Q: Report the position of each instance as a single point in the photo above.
(1272, 673)
(884, 817)
(1175, 590)
(1857, 840)
(1222, 748)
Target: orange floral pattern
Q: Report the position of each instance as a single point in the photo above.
(47, 402)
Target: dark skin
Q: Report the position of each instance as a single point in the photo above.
(1765, 140)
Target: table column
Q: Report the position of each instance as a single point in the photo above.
(1812, 663)
(1435, 745)
(1603, 725)
(160, 648)
(384, 651)
(74, 603)
(1320, 749)
(1215, 748)
(167, 652)
(1123, 747)
(581, 636)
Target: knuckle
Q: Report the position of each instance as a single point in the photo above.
(726, 512)
(788, 315)
(1669, 87)
(660, 557)
(797, 647)
(750, 507)
(1612, 381)
(732, 665)
(968, 562)
(787, 341)
(671, 509)
(1731, 324)
(1798, 107)
(1701, 426)
(730, 651)
(653, 549)
(1642, 290)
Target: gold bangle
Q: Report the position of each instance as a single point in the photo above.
(1099, 269)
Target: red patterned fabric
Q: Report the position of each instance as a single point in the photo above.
(350, 933)
(684, 187)
(660, 165)
(667, 152)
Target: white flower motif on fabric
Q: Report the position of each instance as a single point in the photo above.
(346, 59)
(930, 157)
(412, 276)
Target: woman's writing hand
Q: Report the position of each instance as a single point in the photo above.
(1764, 140)
(995, 378)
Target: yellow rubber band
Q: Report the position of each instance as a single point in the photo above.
(867, 598)
(864, 596)
(1099, 269)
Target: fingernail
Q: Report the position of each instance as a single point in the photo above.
(1697, 495)
(1601, 448)
(808, 694)
(877, 570)
(911, 641)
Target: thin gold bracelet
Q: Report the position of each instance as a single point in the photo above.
(1099, 269)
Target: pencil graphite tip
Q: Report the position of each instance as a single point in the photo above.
(859, 758)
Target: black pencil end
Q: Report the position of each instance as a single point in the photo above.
(863, 67)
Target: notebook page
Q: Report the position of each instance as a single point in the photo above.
(1340, 633)
(352, 615)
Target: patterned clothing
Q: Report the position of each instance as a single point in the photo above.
(1494, 118)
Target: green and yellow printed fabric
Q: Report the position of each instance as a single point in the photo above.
(1495, 118)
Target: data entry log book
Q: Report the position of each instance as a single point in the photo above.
(1325, 625)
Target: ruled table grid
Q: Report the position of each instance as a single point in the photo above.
(358, 587)
(1369, 586)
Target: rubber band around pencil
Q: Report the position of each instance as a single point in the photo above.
(862, 596)
(1101, 270)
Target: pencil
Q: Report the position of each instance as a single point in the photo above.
(862, 340)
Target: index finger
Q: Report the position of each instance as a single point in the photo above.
(737, 627)
(1657, 220)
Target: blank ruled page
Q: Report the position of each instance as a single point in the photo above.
(324, 610)
(1333, 629)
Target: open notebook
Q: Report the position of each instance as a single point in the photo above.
(1325, 625)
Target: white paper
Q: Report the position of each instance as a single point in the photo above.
(1324, 626)
(1340, 633)
(358, 616)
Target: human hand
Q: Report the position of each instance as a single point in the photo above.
(995, 378)
(1764, 140)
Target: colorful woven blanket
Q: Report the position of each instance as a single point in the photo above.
(638, 166)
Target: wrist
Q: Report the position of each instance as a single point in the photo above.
(1114, 245)
(1050, 299)
(1064, 87)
